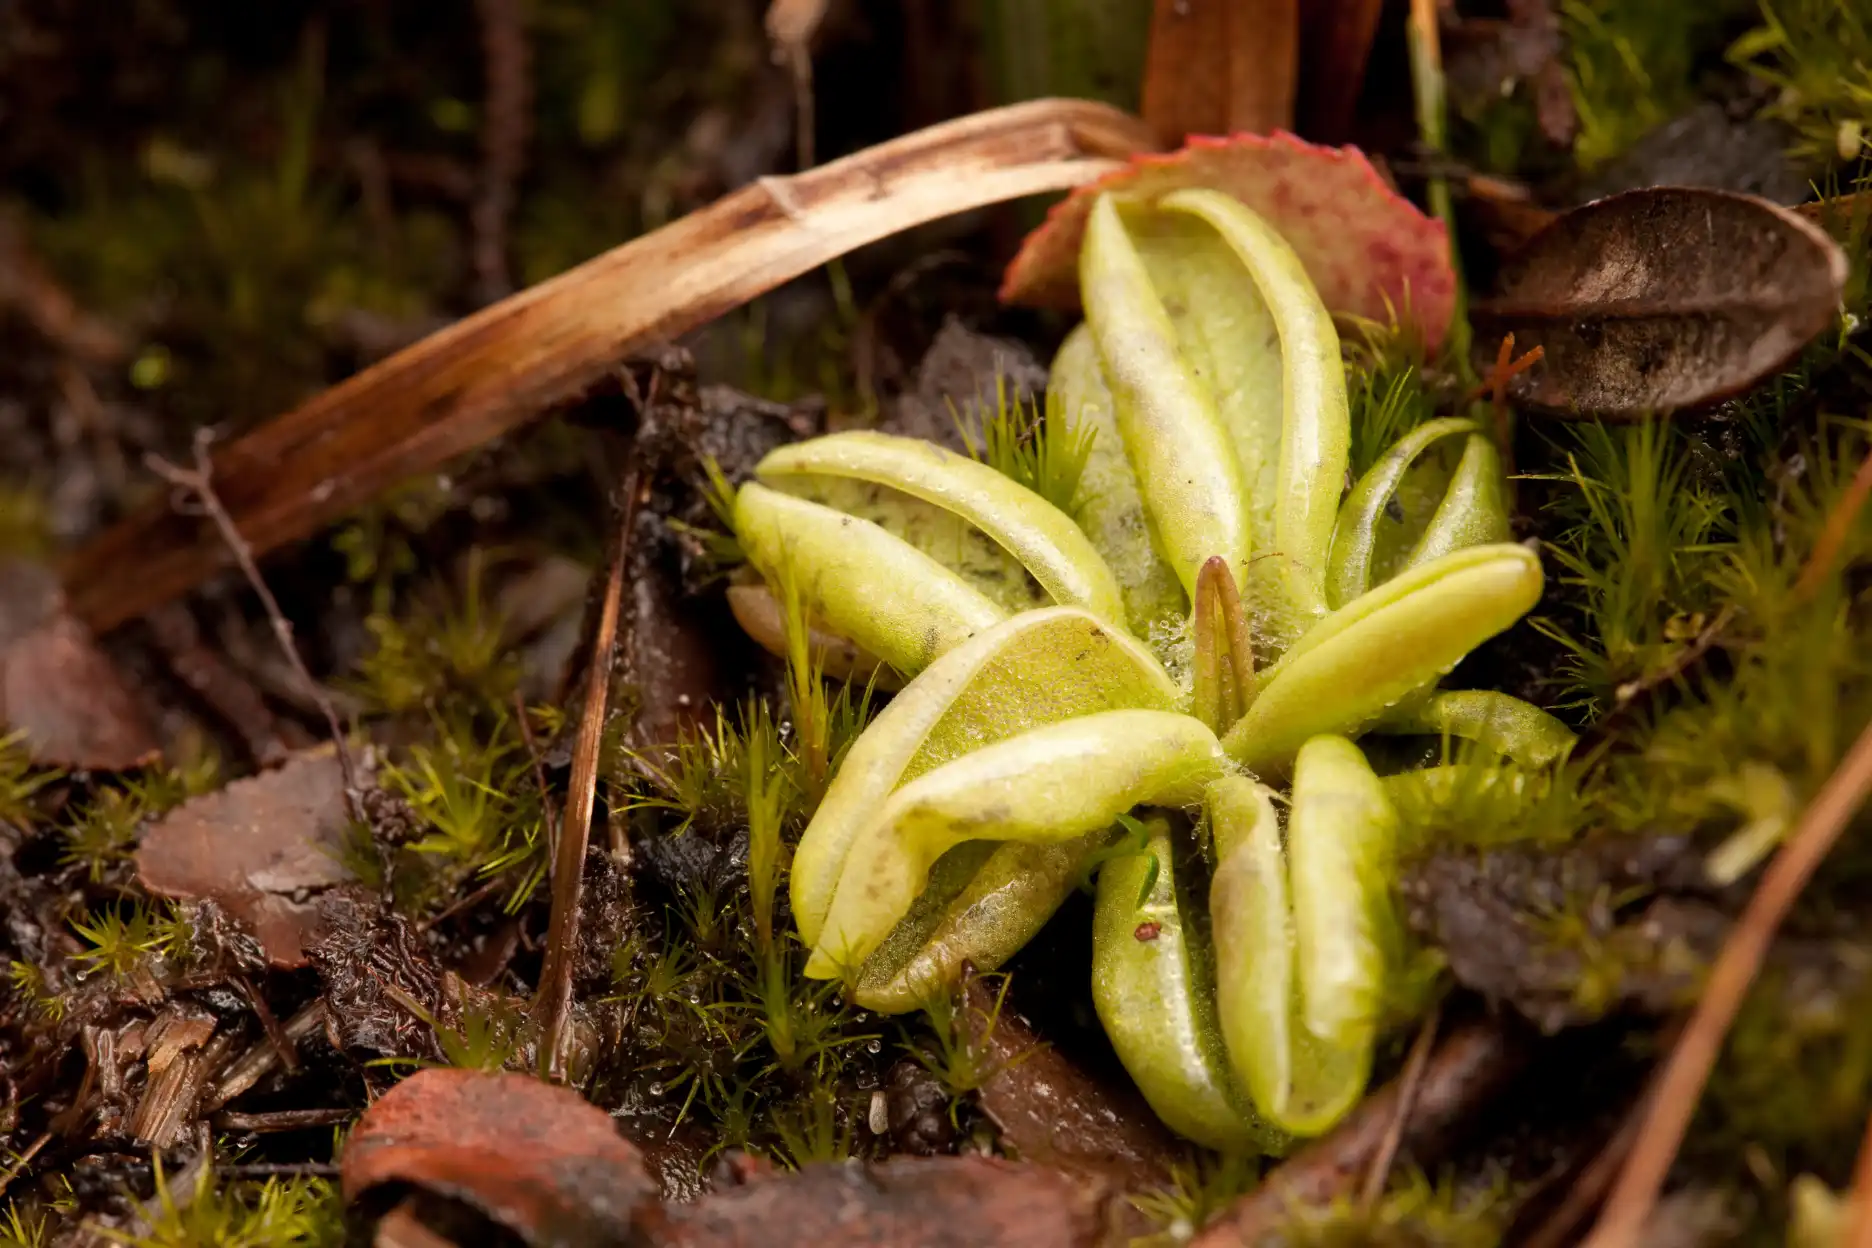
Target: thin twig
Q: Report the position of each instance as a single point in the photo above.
(553, 1004)
(283, 1120)
(504, 128)
(276, 1035)
(1633, 694)
(199, 482)
(1691, 1060)
(549, 814)
(23, 1160)
(284, 1169)
(460, 904)
(791, 25)
(1408, 1084)
(1472, 1065)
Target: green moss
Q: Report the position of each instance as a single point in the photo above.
(1634, 64)
(1413, 1212)
(20, 781)
(1044, 450)
(273, 1214)
(1818, 54)
(123, 937)
(446, 652)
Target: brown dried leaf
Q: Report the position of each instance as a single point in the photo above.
(907, 1203)
(258, 847)
(537, 1158)
(57, 685)
(1661, 299)
(1051, 1110)
(493, 371)
(1369, 251)
(1221, 66)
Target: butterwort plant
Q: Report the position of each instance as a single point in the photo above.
(1162, 679)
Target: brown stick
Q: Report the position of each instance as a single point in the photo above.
(1690, 1062)
(491, 372)
(1408, 1084)
(275, 1034)
(200, 483)
(1471, 1066)
(552, 1005)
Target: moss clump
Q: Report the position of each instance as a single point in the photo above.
(1817, 54)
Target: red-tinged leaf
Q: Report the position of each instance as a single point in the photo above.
(58, 687)
(536, 1158)
(1369, 251)
(260, 847)
(1662, 299)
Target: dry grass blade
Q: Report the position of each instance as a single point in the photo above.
(552, 1004)
(1690, 1062)
(493, 371)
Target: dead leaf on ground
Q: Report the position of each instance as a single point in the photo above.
(550, 1167)
(58, 687)
(1369, 251)
(1221, 66)
(924, 1202)
(534, 1157)
(259, 847)
(1050, 1109)
(1662, 299)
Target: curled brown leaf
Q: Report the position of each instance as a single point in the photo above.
(1662, 299)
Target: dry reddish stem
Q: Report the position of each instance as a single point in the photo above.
(492, 372)
(1471, 1066)
(1688, 1068)
(552, 1005)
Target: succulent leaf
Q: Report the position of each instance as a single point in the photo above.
(1497, 721)
(1037, 668)
(1187, 471)
(1048, 785)
(1371, 654)
(1153, 984)
(1045, 540)
(890, 598)
(1110, 509)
